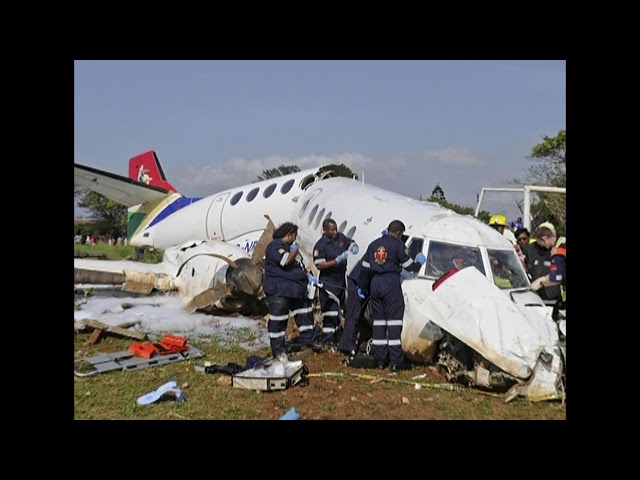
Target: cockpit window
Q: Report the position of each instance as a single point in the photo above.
(507, 269)
(442, 257)
(415, 247)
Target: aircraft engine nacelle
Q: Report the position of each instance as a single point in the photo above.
(216, 275)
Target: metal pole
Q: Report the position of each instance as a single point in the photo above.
(527, 208)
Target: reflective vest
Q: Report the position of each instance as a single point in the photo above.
(560, 248)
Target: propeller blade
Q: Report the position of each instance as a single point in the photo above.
(206, 299)
(263, 241)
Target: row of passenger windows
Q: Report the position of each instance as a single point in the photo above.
(321, 217)
(266, 194)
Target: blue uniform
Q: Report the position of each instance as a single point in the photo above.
(286, 290)
(384, 259)
(333, 280)
(355, 309)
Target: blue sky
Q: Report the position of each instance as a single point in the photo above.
(408, 125)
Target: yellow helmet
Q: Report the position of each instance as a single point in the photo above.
(498, 220)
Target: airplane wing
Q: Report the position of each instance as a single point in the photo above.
(121, 189)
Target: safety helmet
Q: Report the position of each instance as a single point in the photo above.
(548, 225)
(498, 220)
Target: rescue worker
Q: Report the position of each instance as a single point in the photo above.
(356, 300)
(523, 240)
(517, 225)
(384, 260)
(499, 223)
(285, 284)
(557, 275)
(538, 260)
(330, 257)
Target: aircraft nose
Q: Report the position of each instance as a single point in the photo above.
(247, 278)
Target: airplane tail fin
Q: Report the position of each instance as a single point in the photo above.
(146, 168)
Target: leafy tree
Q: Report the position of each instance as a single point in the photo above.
(551, 163)
(340, 170)
(110, 216)
(549, 170)
(277, 172)
(437, 196)
(437, 193)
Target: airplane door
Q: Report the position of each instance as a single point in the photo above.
(214, 217)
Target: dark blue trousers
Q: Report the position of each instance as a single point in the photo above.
(355, 314)
(387, 311)
(279, 310)
(330, 310)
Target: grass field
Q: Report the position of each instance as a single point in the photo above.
(334, 392)
(118, 252)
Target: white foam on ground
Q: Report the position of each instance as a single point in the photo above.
(162, 314)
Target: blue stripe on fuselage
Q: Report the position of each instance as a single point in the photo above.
(173, 208)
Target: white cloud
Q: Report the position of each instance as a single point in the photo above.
(455, 156)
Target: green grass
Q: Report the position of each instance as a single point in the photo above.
(119, 252)
(113, 395)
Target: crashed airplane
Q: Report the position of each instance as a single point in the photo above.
(483, 326)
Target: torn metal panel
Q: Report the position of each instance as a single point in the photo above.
(478, 313)
(522, 341)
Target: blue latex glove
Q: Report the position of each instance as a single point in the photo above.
(354, 248)
(312, 280)
(293, 246)
(342, 257)
(421, 259)
(361, 293)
